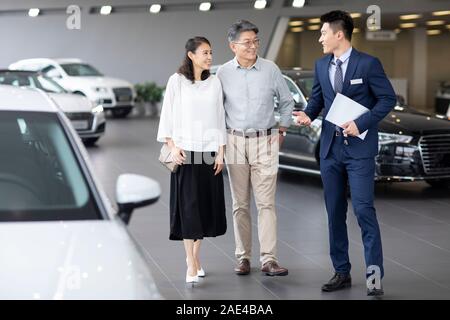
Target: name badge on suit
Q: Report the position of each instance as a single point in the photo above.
(356, 81)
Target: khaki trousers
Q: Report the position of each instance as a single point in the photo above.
(252, 164)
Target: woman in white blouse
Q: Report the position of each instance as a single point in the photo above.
(193, 125)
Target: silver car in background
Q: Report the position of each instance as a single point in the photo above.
(87, 117)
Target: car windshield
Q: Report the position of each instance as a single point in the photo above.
(305, 84)
(40, 177)
(31, 81)
(80, 70)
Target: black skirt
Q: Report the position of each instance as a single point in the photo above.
(197, 202)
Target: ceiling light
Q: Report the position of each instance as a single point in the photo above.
(33, 12)
(314, 27)
(441, 13)
(435, 22)
(410, 16)
(407, 25)
(314, 20)
(433, 32)
(295, 23)
(105, 10)
(448, 26)
(297, 29)
(155, 8)
(298, 3)
(355, 15)
(260, 4)
(205, 6)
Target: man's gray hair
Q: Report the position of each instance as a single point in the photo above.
(240, 26)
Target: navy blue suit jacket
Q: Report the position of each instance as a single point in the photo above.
(375, 93)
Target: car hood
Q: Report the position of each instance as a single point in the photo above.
(413, 123)
(72, 260)
(69, 102)
(104, 82)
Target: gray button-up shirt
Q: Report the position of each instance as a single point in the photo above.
(249, 95)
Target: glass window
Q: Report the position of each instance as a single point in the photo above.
(293, 89)
(49, 85)
(80, 70)
(51, 72)
(40, 177)
(31, 80)
(305, 84)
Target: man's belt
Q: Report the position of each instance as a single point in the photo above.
(250, 133)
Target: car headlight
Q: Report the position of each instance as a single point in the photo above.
(97, 109)
(386, 138)
(100, 89)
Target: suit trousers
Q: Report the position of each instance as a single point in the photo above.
(252, 165)
(338, 169)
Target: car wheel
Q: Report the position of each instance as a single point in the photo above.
(121, 113)
(90, 141)
(439, 183)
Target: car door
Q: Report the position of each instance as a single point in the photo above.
(300, 144)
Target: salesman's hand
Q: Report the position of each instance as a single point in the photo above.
(350, 129)
(178, 155)
(302, 118)
(218, 164)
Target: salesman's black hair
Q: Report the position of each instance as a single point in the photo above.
(339, 20)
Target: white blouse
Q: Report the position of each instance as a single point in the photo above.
(193, 114)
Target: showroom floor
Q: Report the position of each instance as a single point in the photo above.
(414, 221)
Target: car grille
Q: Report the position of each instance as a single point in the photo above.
(81, 116)
(435, 152)
(123, 94)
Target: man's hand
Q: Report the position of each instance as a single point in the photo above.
(302, 118)
(350, 129)
(278, 137)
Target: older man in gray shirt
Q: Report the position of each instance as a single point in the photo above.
(250, 84)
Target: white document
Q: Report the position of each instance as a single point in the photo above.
(344, 109)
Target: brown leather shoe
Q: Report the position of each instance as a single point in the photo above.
(272, 268)
(243, 267)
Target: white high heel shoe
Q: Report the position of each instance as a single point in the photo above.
(191, 279)
(201, 273)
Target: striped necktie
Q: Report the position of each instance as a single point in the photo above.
(338, 82)
(338, 79)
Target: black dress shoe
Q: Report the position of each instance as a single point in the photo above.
(339, 281)
(375, 292)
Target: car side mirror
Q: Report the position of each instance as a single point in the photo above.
(135, 191)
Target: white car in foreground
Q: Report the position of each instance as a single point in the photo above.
(60, 237)
(79, 77)
(86, 117)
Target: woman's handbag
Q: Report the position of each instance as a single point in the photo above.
(165, 157)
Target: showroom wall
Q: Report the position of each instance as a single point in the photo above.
(143, 46)
(135, 46)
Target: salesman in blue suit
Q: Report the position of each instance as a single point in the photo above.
(344, 157)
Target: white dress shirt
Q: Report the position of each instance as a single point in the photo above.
(193, 115)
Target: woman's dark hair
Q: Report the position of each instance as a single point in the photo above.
(187, 68)
(339, 20)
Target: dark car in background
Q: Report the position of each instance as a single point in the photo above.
(442, 99)
(412, 145)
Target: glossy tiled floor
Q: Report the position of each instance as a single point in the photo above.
(414, 221)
